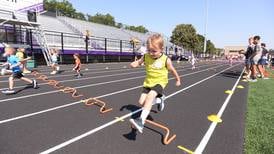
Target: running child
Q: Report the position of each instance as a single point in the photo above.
(157, 65)
(77, 66)
(54, 59)
(21, 54)
(193, 61)
(15, 63)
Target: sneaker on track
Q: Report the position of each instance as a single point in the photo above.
(137, 123)
(161, 105)
(8, 91)
(34, 84)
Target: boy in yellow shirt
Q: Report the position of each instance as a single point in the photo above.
(157, 65)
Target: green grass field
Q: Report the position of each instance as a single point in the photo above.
(259, 128)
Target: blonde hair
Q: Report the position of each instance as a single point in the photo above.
(155, 41)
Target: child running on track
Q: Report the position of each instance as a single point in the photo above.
(54, 59)
(193, 61)
(77, 66)
(15, 63)
(157, 65)
(21, 54)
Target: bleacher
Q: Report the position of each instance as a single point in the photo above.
(52, 24)
(97, 30)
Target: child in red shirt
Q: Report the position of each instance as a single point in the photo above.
(77, 66)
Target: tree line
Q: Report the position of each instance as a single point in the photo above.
(185, 35)
(67, 9)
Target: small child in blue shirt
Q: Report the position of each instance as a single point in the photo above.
(14, 63)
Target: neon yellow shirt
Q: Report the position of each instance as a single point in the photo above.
(20, 55)
(156, 71)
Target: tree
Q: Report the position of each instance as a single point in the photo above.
(80, 16)
(65, 7)
(210, 47)
(140, 29)
(102, 19)
(199, 48)
(185, 35)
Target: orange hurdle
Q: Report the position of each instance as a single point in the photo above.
(35, 73)
(43, 77)
(55, 83)
(93, 101)
(71, 90)
(166, 139)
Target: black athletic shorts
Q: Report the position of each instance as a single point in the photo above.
(17, 75)
(158, 88)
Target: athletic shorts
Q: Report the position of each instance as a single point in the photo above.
(54, 63)
(255, 61)
(17, 75)
(263, 61)
(77, 69)
(158, 88)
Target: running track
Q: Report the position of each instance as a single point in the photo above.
(48, 121)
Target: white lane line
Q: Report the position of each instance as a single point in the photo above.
(102, 76)
(79, 87)
(57, 147)
(78, 102)
(204, 141)
(109, 71)
(65, 75)
(82, 79)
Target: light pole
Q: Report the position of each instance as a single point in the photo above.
(206, 16)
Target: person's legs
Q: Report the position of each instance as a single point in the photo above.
(148, 105)
(260, 69)
(146, 100)
(11, 82)
(27, 80)
(57, 67)
(33, 82)
(142, 99)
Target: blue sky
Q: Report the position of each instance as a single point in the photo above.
(230, 22)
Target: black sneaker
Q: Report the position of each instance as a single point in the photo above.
(8, 91)
(34, 84)
(137, 123)
(161, 102)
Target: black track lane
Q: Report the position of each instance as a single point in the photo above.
(75, 120)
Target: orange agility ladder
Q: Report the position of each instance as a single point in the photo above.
(166, 139)
(94, 101)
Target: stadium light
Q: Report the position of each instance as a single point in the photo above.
(206, 16)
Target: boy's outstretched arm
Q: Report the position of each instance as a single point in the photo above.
(174, 72)
(137, 63)
(4, 64)
(15, 65)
